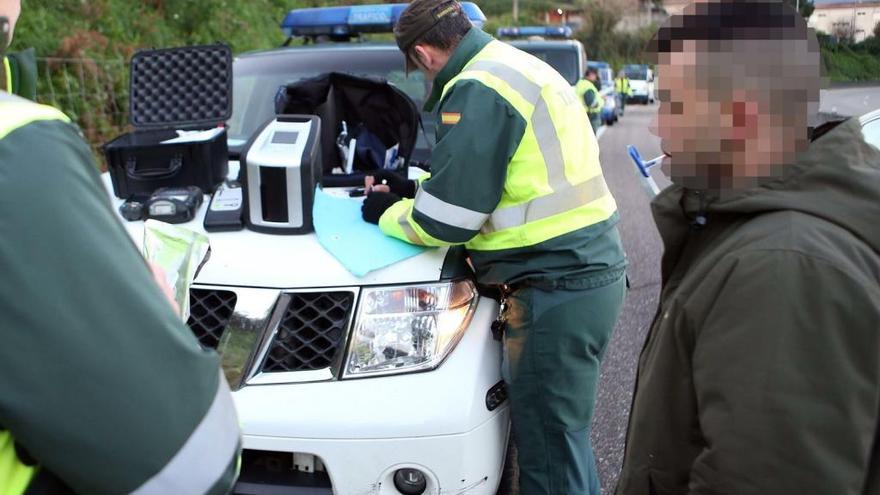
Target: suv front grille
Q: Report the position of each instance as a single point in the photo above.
(209, 313)
(311, 335)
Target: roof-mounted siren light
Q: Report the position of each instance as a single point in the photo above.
(344, 23)
(542, 31)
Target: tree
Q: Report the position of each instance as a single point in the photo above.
(877, 31)
(806, 6)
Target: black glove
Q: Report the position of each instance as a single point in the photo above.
(376, 204)
(402, 187)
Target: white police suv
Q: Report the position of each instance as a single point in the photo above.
(324, 408)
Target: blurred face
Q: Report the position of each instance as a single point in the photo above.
(718, 133)
(11, 10)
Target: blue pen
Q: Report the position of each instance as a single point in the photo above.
(644, 169)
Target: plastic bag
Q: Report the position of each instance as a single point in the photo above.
(180, 253)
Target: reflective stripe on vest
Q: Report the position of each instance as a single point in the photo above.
(204, 458)
(554, 182)
(17, 112)
(14, 476)
(7, 70)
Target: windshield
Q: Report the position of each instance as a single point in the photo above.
(256, 80)
(637, 72)
(606, 75)
(564, 60)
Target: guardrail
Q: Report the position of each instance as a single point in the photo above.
(93, 92)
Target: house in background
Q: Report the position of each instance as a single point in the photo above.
(854, 19)
(635, 14)
(567, 14)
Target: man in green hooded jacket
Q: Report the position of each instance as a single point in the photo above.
(761, 371)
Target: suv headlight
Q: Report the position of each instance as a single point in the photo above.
(411, 328)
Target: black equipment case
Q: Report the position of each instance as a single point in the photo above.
(373, 104)
(187, 88)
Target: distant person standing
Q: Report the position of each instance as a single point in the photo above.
(621, 85)
(588, 93)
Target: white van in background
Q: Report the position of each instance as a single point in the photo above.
(641, 82)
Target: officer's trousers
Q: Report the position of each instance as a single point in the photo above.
(595, 121)
(553, 345)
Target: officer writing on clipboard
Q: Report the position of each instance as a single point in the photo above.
(516, 180)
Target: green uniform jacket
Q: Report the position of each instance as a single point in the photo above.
(100, 382)
(22, 73)
(477, 134)
(761, 372)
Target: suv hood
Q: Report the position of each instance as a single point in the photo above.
(251, 259)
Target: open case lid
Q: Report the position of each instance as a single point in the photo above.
(383, 109)
(186, 87)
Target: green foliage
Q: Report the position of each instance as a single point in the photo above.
(602, 42)
(852, 63)
(117, 28)
(847, 61)
(85, 44)
(806, 7)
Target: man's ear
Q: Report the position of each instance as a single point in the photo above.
(422, 56)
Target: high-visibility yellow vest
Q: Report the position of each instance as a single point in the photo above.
(7, 73)
(621, 85)
(585, 86)
(14, 476)
(554, 183)
(18, 112)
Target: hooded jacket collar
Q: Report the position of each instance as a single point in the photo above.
(837, 179)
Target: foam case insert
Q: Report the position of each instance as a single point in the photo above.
(187, 88)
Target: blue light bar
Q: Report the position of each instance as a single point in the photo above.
(356, 19)
(546, 31)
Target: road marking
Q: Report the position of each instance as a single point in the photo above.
(600, 132)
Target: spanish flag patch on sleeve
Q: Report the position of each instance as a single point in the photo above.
(450, 118)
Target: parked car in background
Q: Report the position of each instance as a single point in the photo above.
(611, 111)
(565, 55)
(641, 82)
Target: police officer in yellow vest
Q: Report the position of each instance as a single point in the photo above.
(589, 95)
(98, 394)
(516, 180)
(621, 85)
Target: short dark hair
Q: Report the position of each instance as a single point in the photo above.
(450, 24)
(720, 22)
(591, 71)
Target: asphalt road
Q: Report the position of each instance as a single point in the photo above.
(850, 101)
(644, 248)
